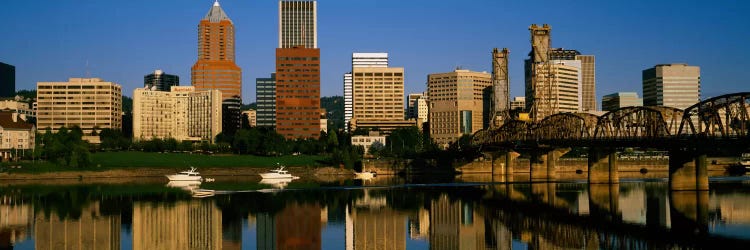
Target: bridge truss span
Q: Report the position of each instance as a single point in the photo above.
(565, 126)
(634, 123)
(723, 116)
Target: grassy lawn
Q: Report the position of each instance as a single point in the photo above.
(182, 160)
(121, 160)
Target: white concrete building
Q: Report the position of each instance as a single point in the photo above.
(182, 114)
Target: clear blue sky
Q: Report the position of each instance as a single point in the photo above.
(123, 40)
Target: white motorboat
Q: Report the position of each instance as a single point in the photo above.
(278, 173)
(365, 175)
(190, 175)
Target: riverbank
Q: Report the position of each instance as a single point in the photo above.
(129, 160)
(159, 173)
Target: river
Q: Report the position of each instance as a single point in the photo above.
(384, 213)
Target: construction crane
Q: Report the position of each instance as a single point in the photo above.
(500, 88)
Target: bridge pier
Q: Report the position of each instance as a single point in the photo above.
(543, 163)
(688, 171)
(502, 164)
(603, 166)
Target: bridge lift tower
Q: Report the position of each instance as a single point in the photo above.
(500, 88)
(544, 101)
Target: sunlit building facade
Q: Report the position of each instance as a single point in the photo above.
(459, 104)
(676, 85)
(181, 114)
(89, 103)
(216, 68)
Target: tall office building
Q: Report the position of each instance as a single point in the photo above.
(298, 92)
(265, 98)
(88, 103)
(160, 81)
(162, 114)
(620, 100)
(378, 60)
(674, 85)
(588, 79)
(298, 71)
(459, 104)
(7, 80)
(378, 94)
(587, 67)
(298, 24)
(216, 68)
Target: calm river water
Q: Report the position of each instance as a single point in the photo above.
(385, 213)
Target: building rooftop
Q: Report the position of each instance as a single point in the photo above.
(216, 14)
(8, 121)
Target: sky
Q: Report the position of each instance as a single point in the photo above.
(121, 41)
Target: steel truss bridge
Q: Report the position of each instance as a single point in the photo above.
(721, 120)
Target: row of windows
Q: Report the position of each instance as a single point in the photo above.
(77, 87)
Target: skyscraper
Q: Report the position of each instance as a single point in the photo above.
(265, 98)
(7, 80)
(674, 85)
(160, 80)
(378, 94)
(378, 60)
(587, 77)
(216, 68)
(298, 92)
(459, 104)
(298, 71)
(298, 24)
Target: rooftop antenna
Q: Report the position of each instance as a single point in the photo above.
(88, 74)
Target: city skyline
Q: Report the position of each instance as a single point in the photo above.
(53, 46)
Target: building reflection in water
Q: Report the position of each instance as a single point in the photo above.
(91, 230)
(297, 226)
(16, 217)
(419, 225)
(455, 225)
(194, 224)
(371, 224)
